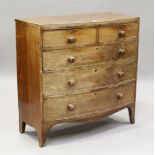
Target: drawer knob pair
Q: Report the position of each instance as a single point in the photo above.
(120, 74)
(119, 95)
(71, 107)
(71, 82)
(121, 33)
(71, 39)
(121, 51)
(71, 59)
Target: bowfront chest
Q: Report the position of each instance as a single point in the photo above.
(75, 68)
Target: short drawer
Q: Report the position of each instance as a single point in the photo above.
(87, 79)
(74, 58)
(69, 38)
(88, 104)
(109, 34)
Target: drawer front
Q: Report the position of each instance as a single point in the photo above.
(114, 33)
(73, 58)
(88, 79)
(89, 103)
(69, 38)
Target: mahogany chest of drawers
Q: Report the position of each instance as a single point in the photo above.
(75, 68)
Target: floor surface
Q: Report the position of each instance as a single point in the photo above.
(111, 136)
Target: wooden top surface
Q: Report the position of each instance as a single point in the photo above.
(79, 19)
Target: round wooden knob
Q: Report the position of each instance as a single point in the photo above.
(119, 96)
(121, 51)
(71, 39)
(71, 82)
(121, 33)
(71, 107)
(71, 59)
(120, 74)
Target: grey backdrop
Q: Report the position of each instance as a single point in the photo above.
(113, 135)
(11, 9)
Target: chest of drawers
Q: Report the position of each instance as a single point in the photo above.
(75, 68)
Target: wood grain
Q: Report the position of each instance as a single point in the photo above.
(75, 68)
(78, 20)
(103, 100)
(88, 79)
(58, 59)
(60, 38)
(28, 42)
(28, 74)
(111, 33)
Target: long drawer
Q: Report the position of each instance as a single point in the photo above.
(87, 104)
(73, 58)
(87, 79)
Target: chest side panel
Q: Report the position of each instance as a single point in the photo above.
(28, 73)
